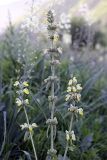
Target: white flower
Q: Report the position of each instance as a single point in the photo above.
(70, 135)
(78, 97)
(67, 97)
(26, 101)
(73, 136)
(16, 83)
(74, 80)
(74, 89)
(68, 89)
(80, 111)
(67, 136)
(30, 126)
(18, 102)
(70, 82)
(78, 86)
(23, 126)
(34, 125)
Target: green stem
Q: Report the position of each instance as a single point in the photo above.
(31, 137)
(3, 145)
(67, 145)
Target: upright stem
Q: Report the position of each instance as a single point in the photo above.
(52, 122)
(31, 137)
(53, 102)
(3, 145)
(70, 128)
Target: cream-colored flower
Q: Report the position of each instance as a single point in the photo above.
(74, 89)
(78, 97)
(18, 102)
(68, 89)
(67, 136)
(25, 83)
(26, 91)
(16, 83)
(70, 135)
(29, 127)
(74, 80)
(80, 111)
(23, 126)
(78, 86)
(67, 97)
(26, 101)
(34, 125)
(70, 82)
(73, 136)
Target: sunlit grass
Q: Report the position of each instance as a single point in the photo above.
(99, 11)
(95, 14)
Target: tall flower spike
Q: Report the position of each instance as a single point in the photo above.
(21, 101)
(52, 80)
(73, 96)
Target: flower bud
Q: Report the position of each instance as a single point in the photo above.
(67, 97)
(70, 82)
(74, 89)
(78, 96)
(18, 102)
(25, 83)
(78, 86)
(26, 91)
(16, 83)
(74, 80)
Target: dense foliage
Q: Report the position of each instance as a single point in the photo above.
(18, 58)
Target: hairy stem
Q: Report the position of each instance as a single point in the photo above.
(67, 145)
(31, 137)
(53, 102)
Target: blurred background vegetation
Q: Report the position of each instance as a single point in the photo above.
(84, 55)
